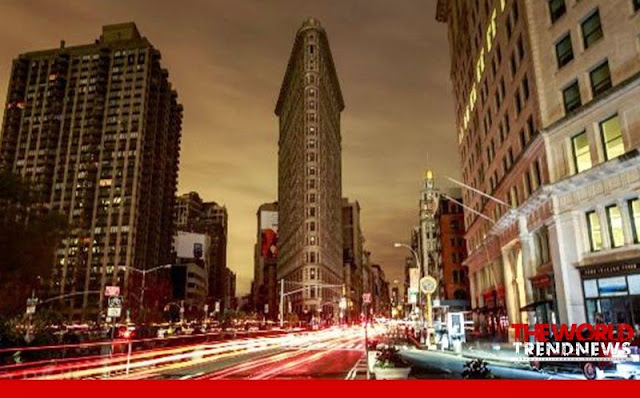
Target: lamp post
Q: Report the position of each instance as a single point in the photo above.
(419, 264)
(144, 273)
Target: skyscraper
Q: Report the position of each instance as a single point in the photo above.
(547, 115)
(310, 173)
(97, 128)
(353, 241)
(266, 260)
(210, 218)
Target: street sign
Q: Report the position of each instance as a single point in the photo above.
(110, 291)
(217, 307)
(115, 302)
(413, 297)
(31, 305)
(428, 285)
(114, 312)
(114, 306)
(266, 308)
(366, 298)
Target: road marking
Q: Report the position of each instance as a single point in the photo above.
(190, 376)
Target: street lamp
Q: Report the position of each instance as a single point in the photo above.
(419, 264)
(144, 273)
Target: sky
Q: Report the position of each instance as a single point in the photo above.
(227, 60)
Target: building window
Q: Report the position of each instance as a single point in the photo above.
(518, 103)
(536, 175)
(581, 152)
(612, 137)
(525, 88)
(513, 196)
(557, 9)
(595, 234)
(520, 48)
(614, 221)
(564, 51)
(592, 29)
(571, 97)
(600, 79)
(634, 212)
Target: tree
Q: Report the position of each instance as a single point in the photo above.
(29, 235)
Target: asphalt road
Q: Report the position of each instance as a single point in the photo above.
(438, 365)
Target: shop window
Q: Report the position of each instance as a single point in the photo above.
(612, 138)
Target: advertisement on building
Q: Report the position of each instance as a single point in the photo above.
(190, 245)
(269, 234)
(414, 281)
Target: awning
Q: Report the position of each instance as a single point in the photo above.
(534, 305)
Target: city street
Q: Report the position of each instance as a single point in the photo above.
(329, 353)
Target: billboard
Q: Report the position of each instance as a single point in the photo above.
(190, 245)
(269, 234)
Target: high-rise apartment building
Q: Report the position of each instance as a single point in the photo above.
(310, 173)
(210, 218)
(264, 289)
(97, 128)
(215, 223)
(547, 123)
(453, 251)
(353, 252)
(188, 211)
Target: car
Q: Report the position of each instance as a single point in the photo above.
(591, 370)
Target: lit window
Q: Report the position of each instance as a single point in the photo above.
(105, 182)
(612, 138)
(564, 51)
(595, 234)
(571, 97)
(600, 79)
(592, 29)
(634, 211)
(614, 219)
(581, 152)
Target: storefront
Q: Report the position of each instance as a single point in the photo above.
(612, 291)
(494, 320)
(543, 306)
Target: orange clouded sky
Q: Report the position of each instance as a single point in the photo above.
(227, 60)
